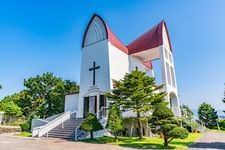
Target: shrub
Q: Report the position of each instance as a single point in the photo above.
(91, 124)
(222, 124)
(25, 127)
(178, 132)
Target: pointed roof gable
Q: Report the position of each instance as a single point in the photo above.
(150, 39)
(112, 38)
(115, 41)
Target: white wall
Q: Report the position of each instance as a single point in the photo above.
(118, 63)
(134, 61)
(71, 102)
(99, 53)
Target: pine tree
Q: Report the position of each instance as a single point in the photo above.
(208, 114)
(115, 123)
(163, 119)
(91, 124)
(136, 92)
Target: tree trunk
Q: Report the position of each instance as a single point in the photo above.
(165, 142)
(91, 135)
(115, 138)
(139, 126)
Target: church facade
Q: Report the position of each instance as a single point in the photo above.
(105, 58)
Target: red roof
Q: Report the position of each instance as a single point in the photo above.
(115, 41)
(151, 39)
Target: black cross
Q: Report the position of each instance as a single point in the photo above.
(93, 69)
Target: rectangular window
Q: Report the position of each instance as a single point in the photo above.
(173, 77)
(102, 101)
(166, 53)
(168, 73)
(86, 107)
(171, 60)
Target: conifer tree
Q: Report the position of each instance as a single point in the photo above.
(115, 123)
(91, 124)
(208, 114)
(136, 92)
(165, 123)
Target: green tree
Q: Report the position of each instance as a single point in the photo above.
(165, 123)
(222, 124)
(115, 123)
(136, 92)
(11, 111)
(45, 94)
(91, 124)
(208, 115)
(0, 86)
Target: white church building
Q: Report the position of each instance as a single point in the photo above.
(104, 59)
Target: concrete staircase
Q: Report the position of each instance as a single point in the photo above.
(66, 130)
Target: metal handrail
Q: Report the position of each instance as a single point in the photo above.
(45, 127)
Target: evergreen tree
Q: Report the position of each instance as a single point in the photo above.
(136, 92)
(208, 114)
(165, 123)
(91, 124)
(115, 123)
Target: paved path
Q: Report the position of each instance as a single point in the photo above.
(9, 142)
(211, 140)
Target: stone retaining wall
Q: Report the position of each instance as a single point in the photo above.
(9, 129)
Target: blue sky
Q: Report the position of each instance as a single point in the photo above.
(45, 36)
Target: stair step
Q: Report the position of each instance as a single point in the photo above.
(60, 132)
(59, 136)
(67, 132)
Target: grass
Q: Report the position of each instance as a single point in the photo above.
(147, 142)
(25, 134)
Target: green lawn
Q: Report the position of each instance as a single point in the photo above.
(147, 142)
(25, 134)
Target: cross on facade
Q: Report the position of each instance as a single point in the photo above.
(93, 69)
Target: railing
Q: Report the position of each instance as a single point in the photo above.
(38, 123)
(52, 117)
(76, 134)
(40, 131)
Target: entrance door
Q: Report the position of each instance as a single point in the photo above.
(90, 105)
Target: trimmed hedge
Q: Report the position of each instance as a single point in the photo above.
(25, 127)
